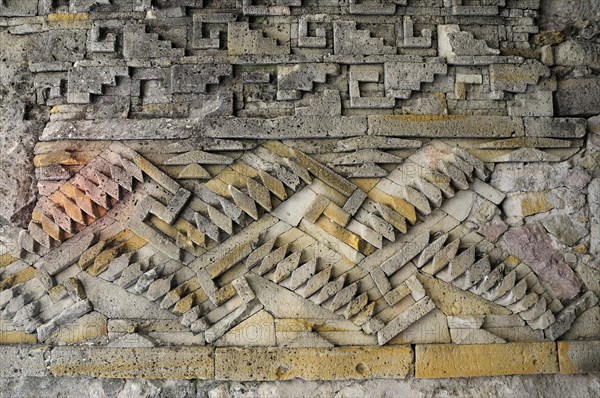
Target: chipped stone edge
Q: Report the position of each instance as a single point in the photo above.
(38, 361)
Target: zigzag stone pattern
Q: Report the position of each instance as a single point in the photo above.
(202, 229)
(302, 174)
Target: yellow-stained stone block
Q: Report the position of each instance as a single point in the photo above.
(258, 330)
(64, 158)
(18, 278)
(232, 177)
(124, 362)
(65, 17)
(156, 174)
(341, 363)
(126, 241)
(191, 171)
(219, 187)
(87, 328)
(455, 360)
(17, 337)
(352, 240)
(190, 231)
(102, 261)
(404, 208)
(184, 305)
(89, 256)
(70, 208)
(273, 185)
(332, 179)
(244, 169)
(366, 184)
(579, 356)
(232, 257)
(133, 244)
(453, 301)
(80, 199)
(121, 237)
(279, 148)
(225, 293)
(6, 259)
(337, 214)
(534, 203)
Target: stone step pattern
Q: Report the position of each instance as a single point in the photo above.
(232, 64)
(86, 197)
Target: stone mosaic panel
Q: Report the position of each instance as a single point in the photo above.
(305, 174)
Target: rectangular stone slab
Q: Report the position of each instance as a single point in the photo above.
(313, 363)
(437, 126)
(448, 360)
(124, 362)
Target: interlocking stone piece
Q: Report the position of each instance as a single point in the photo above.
(139, 44)
(431, 250)
(567, 316)
(75, 289)
(473, 274)
(343, 297)
(316, 282)
(543, 321)
(271, 260)
(489, 280)
(404, 320)
(330, 289)
(458, 265)
(243, 40)
(230, 320)
(459, 46)
(403, 78)
(302, 274)
(531, 244)
(410, 41)
(407, 253)
(60, 259)
(286, 267)
(159, 288)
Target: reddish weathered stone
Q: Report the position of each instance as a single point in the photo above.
(531, 244)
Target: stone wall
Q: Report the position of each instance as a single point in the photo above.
(327, 179)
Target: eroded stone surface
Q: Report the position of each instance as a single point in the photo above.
(323, 176)
(531, 244)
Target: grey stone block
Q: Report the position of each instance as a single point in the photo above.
(578, 97)
(446, 126)
(348, 40)
(23, 361)
(401, 78)
(194, 79)
(286, 127)
(138, 44)
(243, 40)
(555, 127)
